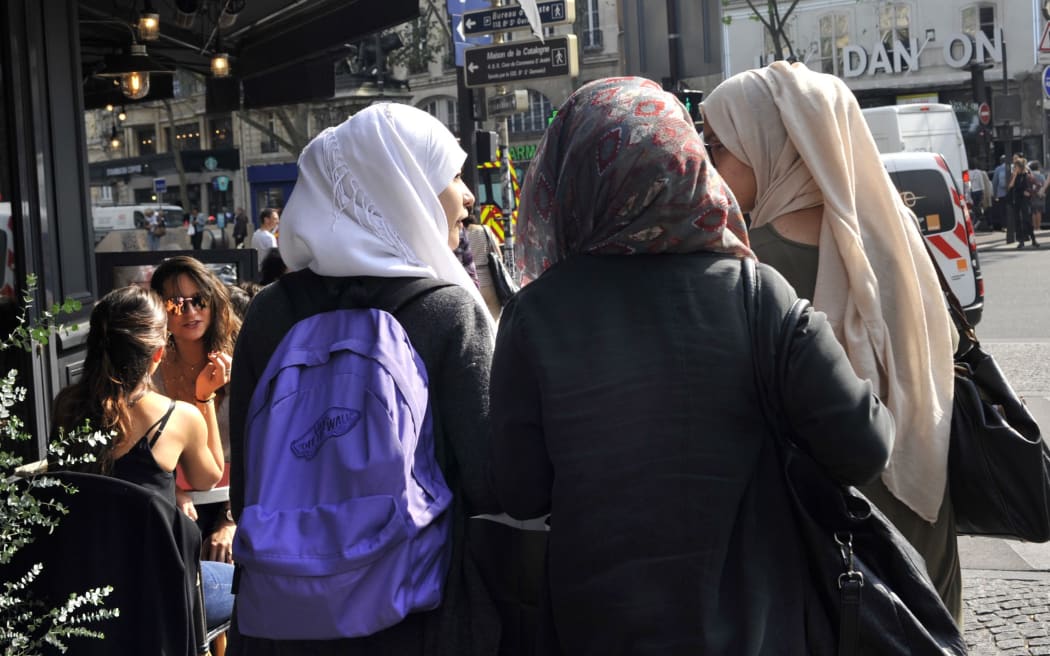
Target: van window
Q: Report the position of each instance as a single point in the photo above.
(926, 193)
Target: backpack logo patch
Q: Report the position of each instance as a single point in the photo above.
(335, 422)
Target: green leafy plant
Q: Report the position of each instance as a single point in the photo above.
(26, 624)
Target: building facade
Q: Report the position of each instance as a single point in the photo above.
(958, 52)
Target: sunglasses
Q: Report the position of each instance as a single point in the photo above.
(177, 304)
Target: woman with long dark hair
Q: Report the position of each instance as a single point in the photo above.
(202, 327)
(151, 433)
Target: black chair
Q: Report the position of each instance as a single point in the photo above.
(121, 535)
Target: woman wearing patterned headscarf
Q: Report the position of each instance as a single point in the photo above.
(796, 151)
(378, 205)
(624, 400)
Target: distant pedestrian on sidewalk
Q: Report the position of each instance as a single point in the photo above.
(240, 227)
(264, 238)
(794, 148)
(1023, 189)
(624, 399)
(1000, 187)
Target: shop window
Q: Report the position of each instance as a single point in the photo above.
(146, 140)
(979, 18)
(187, 137)
(220, 132)
(834, 36)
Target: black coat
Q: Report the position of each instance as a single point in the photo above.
(624, 403)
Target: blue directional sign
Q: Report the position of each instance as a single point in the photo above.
(456, 9)
(160, 185)
(1046, 80)
(505, 19)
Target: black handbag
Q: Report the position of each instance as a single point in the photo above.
(870, 588)
(502, 281)
(998, 464)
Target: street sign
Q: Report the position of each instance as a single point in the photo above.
(984, 112)
(1046, 81)
(160, 185)
(509, 103)
(505, 19)
(521, 60)
(1044, 41)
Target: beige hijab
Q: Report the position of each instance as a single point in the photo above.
(803, 134)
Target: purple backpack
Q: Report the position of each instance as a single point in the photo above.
(344, 530)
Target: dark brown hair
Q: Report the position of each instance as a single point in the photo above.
(225, 324)
(128, 325)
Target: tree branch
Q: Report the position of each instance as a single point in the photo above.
(265, 129)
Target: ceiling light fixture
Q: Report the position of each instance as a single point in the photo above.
(133, 71)
(149, 25)
(135, 85)
(220, 64)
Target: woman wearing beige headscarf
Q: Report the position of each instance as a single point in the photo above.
(794, 148)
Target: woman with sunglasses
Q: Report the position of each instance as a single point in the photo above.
(796, 152)
(202, 328)
(152, 432)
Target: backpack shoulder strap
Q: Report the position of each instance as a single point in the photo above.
(303, 287)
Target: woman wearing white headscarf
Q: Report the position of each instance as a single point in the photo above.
(377, 205)
(794, 148)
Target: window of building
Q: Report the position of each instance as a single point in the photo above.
(588, 26)
(268, 143)
(220, 131)
(979, 18)
(445, 110)
(834, 36)
(534, 119)
(187, 137)
(146, 139)
(894, 28)
(894, 24)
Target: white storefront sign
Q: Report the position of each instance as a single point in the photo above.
(959, 50)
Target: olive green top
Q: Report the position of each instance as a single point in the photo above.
(796, 261)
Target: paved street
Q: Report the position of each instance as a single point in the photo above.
(1006, 584)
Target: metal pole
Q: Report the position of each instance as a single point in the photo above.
(508, 196)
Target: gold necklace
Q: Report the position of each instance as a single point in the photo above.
(182, 382)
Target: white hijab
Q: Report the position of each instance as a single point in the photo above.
(366, 202)
(804, 136)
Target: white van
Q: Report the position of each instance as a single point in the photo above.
(922, 127)
(926, 188)
(129, 217)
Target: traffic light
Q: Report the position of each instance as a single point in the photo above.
(691, 98)
(486, 145)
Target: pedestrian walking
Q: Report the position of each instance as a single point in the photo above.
(669, 532)
(794, 148)
(240, 227)
(371, 226)
(264, 239)
(1022, 189)
(155, 229)
(198, 223)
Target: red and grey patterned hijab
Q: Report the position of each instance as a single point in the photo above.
(621, 170)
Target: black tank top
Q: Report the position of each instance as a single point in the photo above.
(138, 465)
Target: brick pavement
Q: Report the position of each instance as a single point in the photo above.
(1006, 613)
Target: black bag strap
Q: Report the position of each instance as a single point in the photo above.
(851, 582)
(300, 288)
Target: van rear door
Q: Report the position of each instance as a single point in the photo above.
(926, 192)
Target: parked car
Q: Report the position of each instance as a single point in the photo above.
(927, 187)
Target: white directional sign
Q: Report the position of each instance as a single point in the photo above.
(521, 60)
(505, 19)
